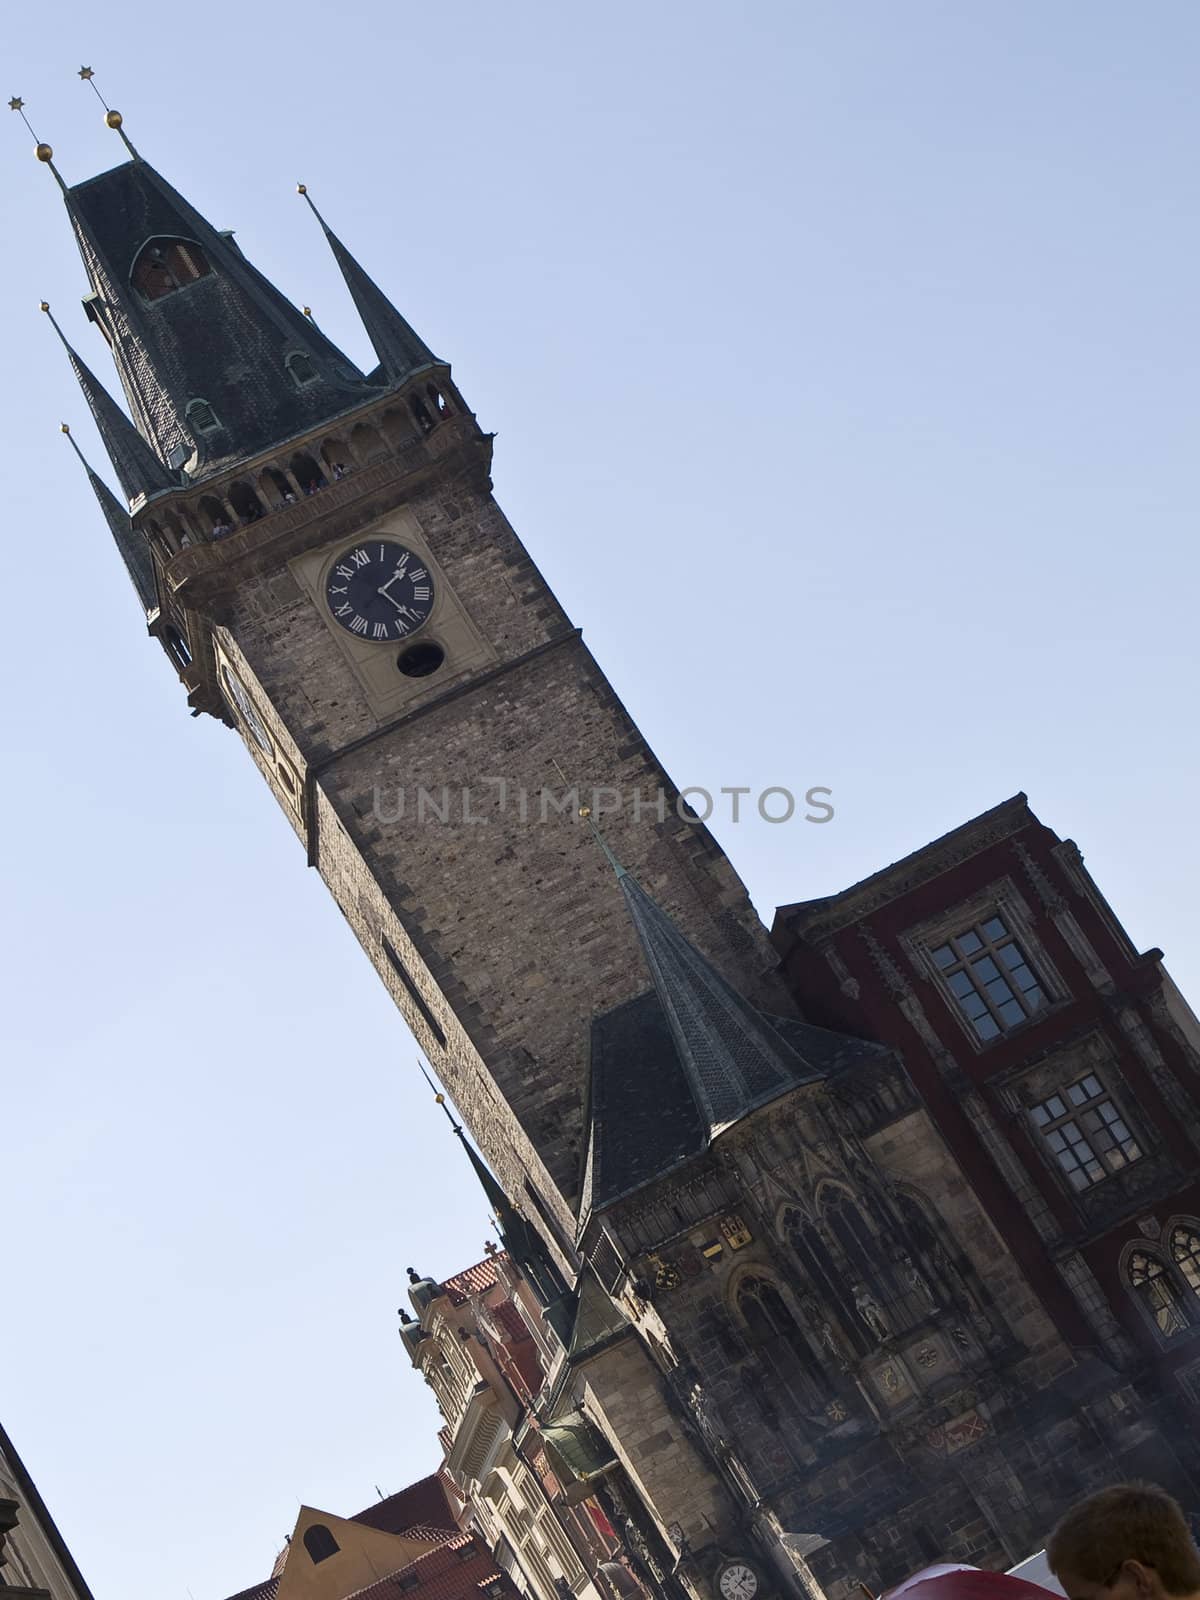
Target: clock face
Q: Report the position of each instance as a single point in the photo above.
(738, 1581)
(379, 591)
(247, 710)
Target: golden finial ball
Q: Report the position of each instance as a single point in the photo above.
(44, 305)
(585, 811)
(64, 427)
(301, 188)
(113, 119)
(44, 153)
(307, 310)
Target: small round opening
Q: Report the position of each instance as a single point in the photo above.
(419, 660)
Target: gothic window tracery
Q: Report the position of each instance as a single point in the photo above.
(1185, 1252)
(781, 1344)
(1157, 1289)
(166, 265)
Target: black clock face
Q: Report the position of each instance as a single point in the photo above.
(379, 591)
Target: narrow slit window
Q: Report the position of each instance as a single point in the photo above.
(413, 993)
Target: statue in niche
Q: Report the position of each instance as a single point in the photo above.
(871, 1311)
(918, 1284)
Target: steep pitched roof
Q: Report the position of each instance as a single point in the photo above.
(674, 1067)
(401, 351)
(223, 338)
(136, 465)
(131, 544)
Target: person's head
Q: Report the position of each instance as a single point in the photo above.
(1130, 1542)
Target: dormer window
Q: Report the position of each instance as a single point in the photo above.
(165, 265)
(300, 369)
(201, 418)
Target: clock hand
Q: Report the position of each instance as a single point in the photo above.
(399, 573)
(398, 604)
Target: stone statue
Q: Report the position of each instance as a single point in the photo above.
(917, 1282)
(871, 1311)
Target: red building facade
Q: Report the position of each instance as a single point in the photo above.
(1060, 1064)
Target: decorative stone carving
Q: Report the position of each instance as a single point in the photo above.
(894, 980)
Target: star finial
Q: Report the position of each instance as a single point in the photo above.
(112, 117)
(16, 103)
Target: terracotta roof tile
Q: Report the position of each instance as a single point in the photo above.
(443, 1574)
(423, 1504)
(473, 1280)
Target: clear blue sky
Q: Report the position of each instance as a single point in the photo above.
(843, 361)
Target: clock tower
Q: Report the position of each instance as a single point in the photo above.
(319, 553)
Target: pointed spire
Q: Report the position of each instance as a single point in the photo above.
(136, 465)
(131, 545)
(522, 1241)
(733, 1057)
(400, 350)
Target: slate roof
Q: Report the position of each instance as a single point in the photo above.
(138, 469)
(131, 544)
(222, 338)
(674, 1067)
(400, 350)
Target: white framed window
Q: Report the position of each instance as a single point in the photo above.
(1085, 1132)
(989, 976)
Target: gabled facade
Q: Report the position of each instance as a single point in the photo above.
(383, 1552)
(1060, 1063)
(35, 1563)
(480, 1341)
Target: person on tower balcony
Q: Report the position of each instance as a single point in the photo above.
(1128, 1542)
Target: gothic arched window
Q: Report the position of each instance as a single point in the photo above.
(320, 1543)
(165, 265)
(851, 1229)
(781, 1345)
(1153, 1283)
(1185, 1253)
(763, 1309)
(816, 1262)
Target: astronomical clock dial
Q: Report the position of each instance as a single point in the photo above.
(379, 591)
(737, 1581)
(247, 710)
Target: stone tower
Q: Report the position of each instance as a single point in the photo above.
(320, 554)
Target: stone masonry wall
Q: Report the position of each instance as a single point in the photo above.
(513, 926)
